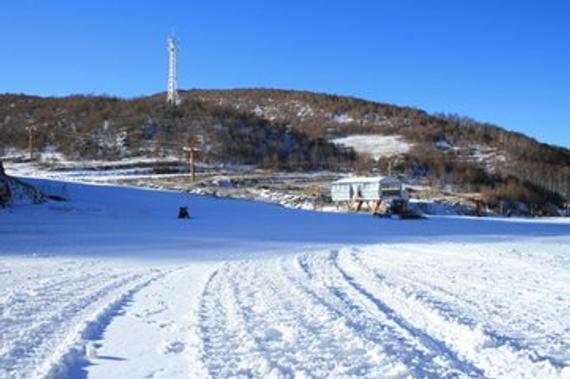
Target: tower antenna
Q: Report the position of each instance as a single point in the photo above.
(172, 96)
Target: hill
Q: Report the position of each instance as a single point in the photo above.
(448, 148)
(106, 128)
(294, 130)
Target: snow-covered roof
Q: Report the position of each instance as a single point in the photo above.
(366, 179)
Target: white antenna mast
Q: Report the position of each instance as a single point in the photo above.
(172, 95)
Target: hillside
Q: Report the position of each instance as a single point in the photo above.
(292, 130)
(448, 147)
(105, 128)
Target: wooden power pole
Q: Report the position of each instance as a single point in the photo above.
(31, 130)
(191, 157)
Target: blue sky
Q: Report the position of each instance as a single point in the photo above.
(505, 62)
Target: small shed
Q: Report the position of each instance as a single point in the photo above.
(377, 188)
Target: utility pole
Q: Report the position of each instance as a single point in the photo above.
(191, 157)
(31, 129)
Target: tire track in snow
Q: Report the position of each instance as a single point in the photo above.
(436, 346)
(35, 337)
(379, 324)
(69, 359)
(476, 314)
(282, 331)
(331, 315)
(34, 290)
(456, 334)
(50, 320)
(299, 334)
(227, 349)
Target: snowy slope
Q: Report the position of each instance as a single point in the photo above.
(248, 289)
(105, 220)
(376, 145)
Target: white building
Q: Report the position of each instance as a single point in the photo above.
(370, 190)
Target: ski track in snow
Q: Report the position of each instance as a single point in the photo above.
(440, 310)
(112, 285)
(45, 317)
(360, 314)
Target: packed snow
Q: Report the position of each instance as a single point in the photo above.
(110, 284)
(376, 145)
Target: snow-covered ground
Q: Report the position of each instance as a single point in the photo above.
(90, 170)
(376, 145)
(112, 285)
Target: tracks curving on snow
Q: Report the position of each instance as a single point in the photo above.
(45, 320)
(440, 310)
(352, 313)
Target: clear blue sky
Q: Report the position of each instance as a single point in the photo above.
(502, 61)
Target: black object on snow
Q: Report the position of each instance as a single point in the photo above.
(183, 213)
